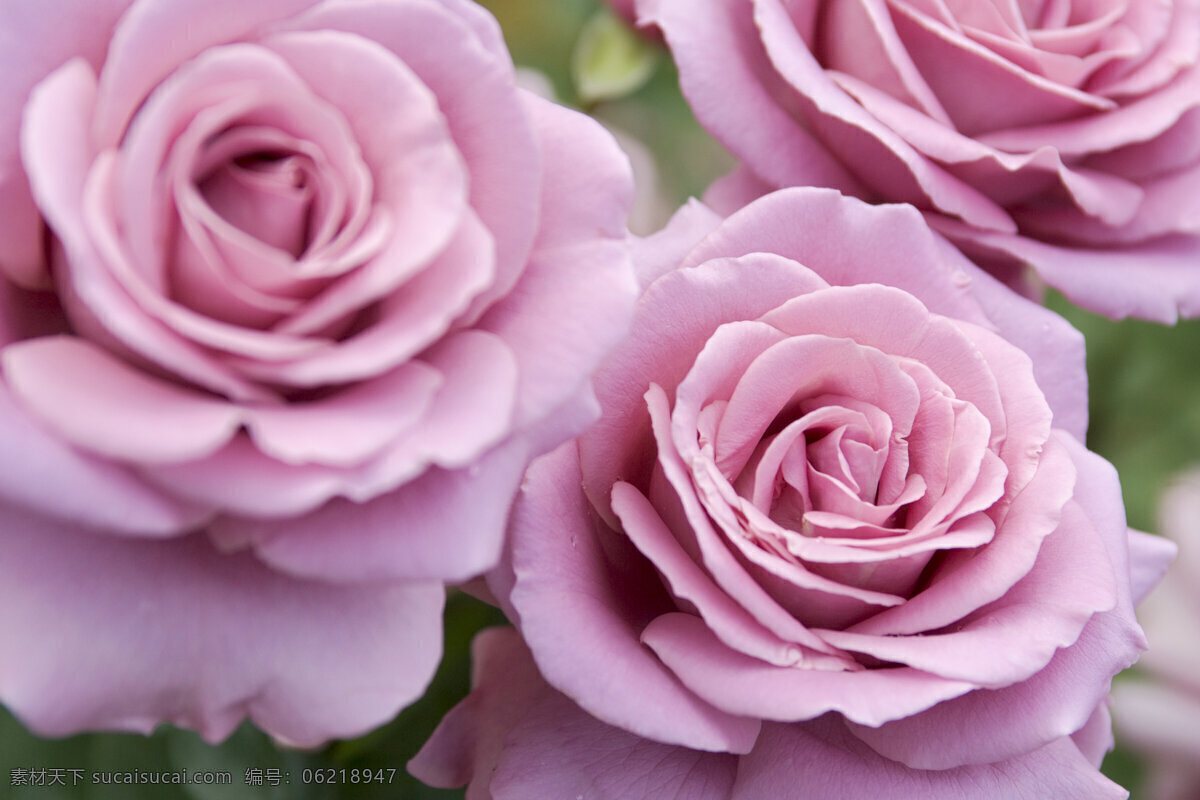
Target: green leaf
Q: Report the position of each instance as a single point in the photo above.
(611, 60)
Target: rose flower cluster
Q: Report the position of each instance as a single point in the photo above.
(308, 310)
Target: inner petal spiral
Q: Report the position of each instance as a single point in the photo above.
(268, 195)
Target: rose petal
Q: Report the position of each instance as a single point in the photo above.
(688, 583)
(579, 280)
(102, 404)
(708, 48)
(1154, 279)
(899, 172)
(34, 41)
(674, 318)
(739, 684)
(35, 464)
(305, 661)
(470, 739)
(558, 751)
(417, 171)
(820, 759)
(151, 40)
(352, 425)
(565, 583)
(445, 524)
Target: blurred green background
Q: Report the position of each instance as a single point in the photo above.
(1145, 412)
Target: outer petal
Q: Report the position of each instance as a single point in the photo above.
(1155, 280)
(34, 40)
(559, 751)
(1056, 348)
(175, 631)
(575, 298)
(820, 759)
(718, 48)
(444, 525)
(514, 738)
(468, 741)
(35, 465)
(574, 574)
(889, 241)
(125, 414)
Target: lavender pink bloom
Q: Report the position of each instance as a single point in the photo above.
(1062, 135)
(290, 293)
(835, 535)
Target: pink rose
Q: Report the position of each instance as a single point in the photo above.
(1157, 716)
(1058, 134)
(826, 520)
(315, 282)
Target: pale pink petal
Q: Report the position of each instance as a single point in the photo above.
(712, 53)
(1030, 98)
(240, 479)
(410, 319)
(34, 40)
(1056, 348)
(1149, 558)
(471, 738)
(987, 575)
(688, 583)
(565, 583)
(740, 684)
(579, 281)
(473, 409)
(174, 631)
(1155, 279)
(1003, 176)
(559, 751)
(819, 759)
(1060, 698)
(1140, 120)
(674, 318)
(99, 403)
(978, 728)
(1095, 738)
(469, 414)
(860, 39)
(347, 427)
(153, 39)
(445, 524)
(1043, 612)
(514, 738)
(418, 174)
(860, 139)
(709, 541)
(890, 240)
(35, 464)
